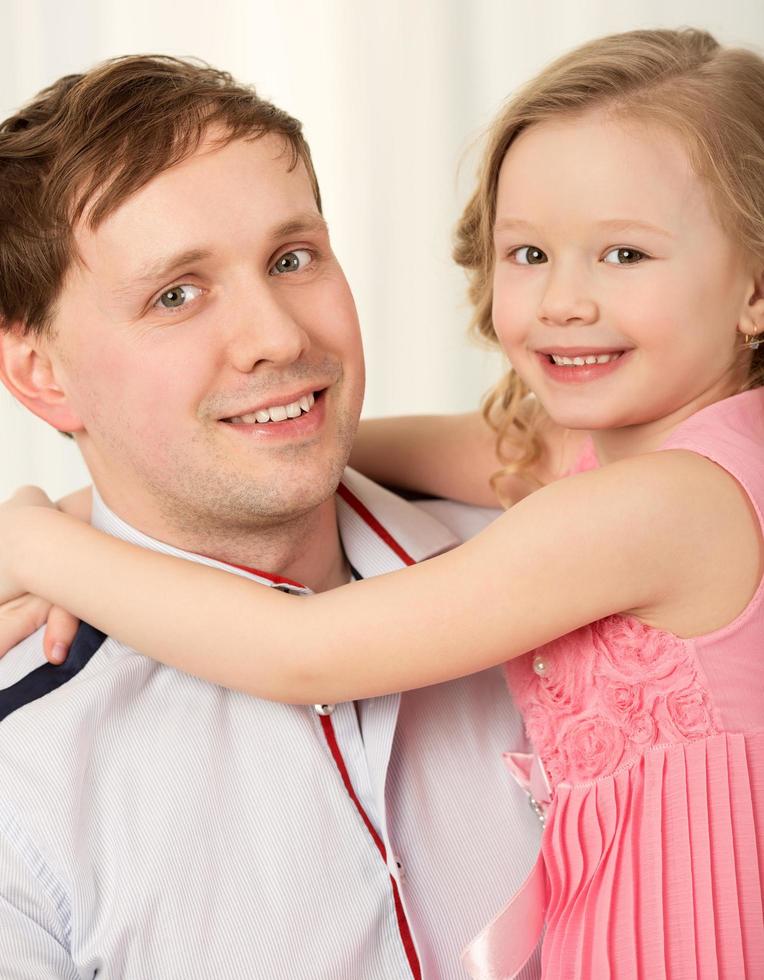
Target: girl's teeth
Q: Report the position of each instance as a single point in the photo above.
(580, 361)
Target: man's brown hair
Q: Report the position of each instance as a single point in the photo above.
(84, 145)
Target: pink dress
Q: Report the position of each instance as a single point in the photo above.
(651, 753)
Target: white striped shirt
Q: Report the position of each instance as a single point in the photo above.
(154, 827)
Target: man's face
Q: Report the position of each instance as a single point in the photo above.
(209, 297)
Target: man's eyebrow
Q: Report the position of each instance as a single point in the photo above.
(309, 221)
(161, 269)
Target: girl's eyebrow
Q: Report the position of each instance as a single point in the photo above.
(627, 224)
(611, 224)
(508, 224)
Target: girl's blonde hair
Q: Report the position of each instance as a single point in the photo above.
(711, 97)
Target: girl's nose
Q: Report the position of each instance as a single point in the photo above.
(568, 300)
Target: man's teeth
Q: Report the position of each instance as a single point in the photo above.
(588, 359)
(278, 413)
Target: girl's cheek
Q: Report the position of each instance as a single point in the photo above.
(507, 323)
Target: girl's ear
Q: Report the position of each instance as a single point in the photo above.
(752, 318)
(28, 373)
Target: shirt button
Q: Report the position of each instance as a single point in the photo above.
(540, 666)
(323, 709)
(396, 867)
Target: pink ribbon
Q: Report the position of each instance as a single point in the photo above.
(501, 950)
(527, 769)
(505, 945)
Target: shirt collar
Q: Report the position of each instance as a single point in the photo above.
(380, 532)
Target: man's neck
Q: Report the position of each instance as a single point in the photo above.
(306, 549)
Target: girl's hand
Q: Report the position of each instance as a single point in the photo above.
(22, 614)
(21, 617)
(9, 511)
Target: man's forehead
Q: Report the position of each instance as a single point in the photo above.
(271, 154)
(249, 187)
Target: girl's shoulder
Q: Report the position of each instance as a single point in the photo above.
(715, 458)
(729, 432)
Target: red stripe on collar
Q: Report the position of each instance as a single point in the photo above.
(275, 579)
(365, 514)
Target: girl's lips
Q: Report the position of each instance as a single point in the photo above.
(583, 373)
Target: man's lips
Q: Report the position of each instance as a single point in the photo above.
(274, 424)
(304, 398)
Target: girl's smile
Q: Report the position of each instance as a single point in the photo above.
(577, 366)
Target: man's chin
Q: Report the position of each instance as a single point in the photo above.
(278, 498)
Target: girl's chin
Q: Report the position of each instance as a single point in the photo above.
(580, 418)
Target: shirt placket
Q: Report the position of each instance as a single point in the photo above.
(325, 714)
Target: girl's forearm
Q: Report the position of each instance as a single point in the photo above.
(436, 455)
(231, 631)
(128, 591)
(79, 504)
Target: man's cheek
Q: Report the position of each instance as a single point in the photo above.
(129, 394)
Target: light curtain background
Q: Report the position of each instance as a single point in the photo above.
(393, 96)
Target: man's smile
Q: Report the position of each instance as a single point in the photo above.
(300, 416)
(291, 408)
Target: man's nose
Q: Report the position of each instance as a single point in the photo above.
(568, 298)
(263, 328)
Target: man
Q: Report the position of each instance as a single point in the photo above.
(170, 297)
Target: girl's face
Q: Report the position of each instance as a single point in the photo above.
(607, 248)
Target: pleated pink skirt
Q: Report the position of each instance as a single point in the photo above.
(652, 873)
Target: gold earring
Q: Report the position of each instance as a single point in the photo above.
(752, 341)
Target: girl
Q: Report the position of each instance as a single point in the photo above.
(615, 245)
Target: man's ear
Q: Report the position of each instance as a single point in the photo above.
(28, 373)
(752, 318)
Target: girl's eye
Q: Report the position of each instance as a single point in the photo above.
(291, 261)
(178, 296)
(528, 255)
(623, 256)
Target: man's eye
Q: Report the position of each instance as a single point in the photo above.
(291, 261)
(528, 255)
(177, 296)
(623, 256)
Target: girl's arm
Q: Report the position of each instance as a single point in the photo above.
(644, 535)
(25, 614)
(453, 456)
(79, 504)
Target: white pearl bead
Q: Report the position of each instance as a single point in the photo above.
(540, 665)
